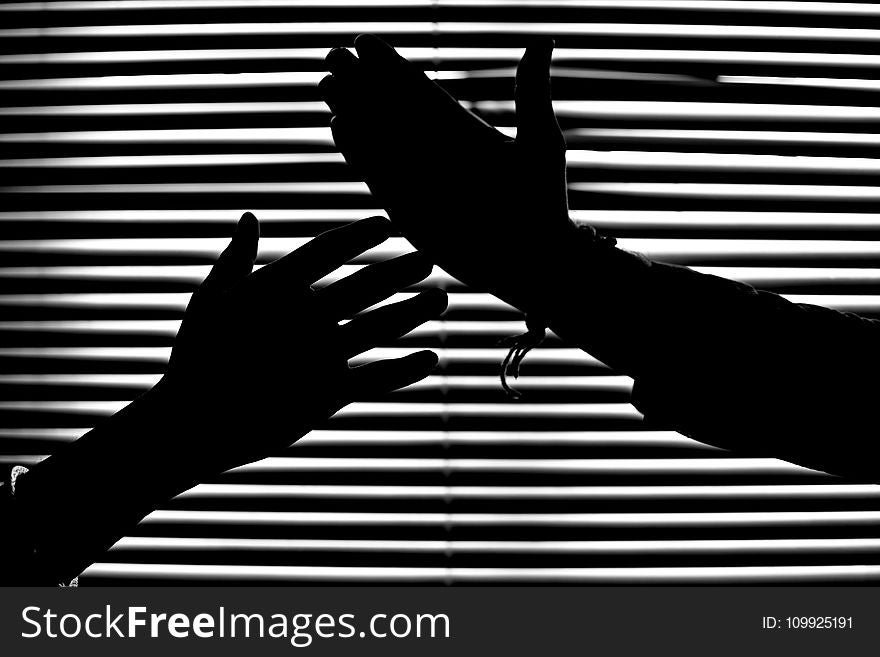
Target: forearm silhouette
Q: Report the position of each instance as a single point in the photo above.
(717, 360)
(260, 359)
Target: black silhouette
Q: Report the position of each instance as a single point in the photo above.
(260, 359)
(714, 359)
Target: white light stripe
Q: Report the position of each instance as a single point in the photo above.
(42, 433)
(171, 81)
(200, 160)
(732, 136)
(750, 248)
(661, 161)
(334, 187)
(717, 466)
(505, 438)
(802, 492)
(300, 136)
(780, 33)
(721, 220)
(728, 190)
(644, 520)
(232, 573)
(668, 547)
(228, 29)
(727, 574)
(678, 110)
(841, 8)
(173, 216)
(127, 5)
(162, 109)
(830, 83)
(85, 380)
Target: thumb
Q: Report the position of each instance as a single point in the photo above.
(535, 121)
(237, 259)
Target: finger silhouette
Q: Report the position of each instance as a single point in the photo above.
(536, 123)
(237, 259)
(329, 88)
(373, 50)
(342, 63)
(342, 137)
(383, 376)
(325, 253)
(385, 324)
(372, 284)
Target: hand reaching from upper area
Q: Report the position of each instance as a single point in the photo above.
(489, 209)
(261, 357)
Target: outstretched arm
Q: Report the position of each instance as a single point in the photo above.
(260, 359)
(717, 360)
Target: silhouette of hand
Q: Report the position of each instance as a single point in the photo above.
(261, 358)
(489, 209)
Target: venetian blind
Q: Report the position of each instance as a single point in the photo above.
(734, 137)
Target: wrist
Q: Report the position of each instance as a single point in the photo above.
(551, 268)
(113, 475)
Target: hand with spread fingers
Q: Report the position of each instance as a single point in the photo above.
(261, 356)
(489, 209)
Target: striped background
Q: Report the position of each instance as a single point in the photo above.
(735, 137)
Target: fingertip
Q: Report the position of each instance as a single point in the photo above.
(377, 224)
(248, 223)
(339, 52)
(369, 46)
(366, 42)
(426, 359)
(419, 262)
(340, 61)
(326, 83)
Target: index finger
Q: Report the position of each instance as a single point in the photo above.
(326, 253)
(372, 49)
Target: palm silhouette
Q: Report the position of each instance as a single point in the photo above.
(487, 208)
